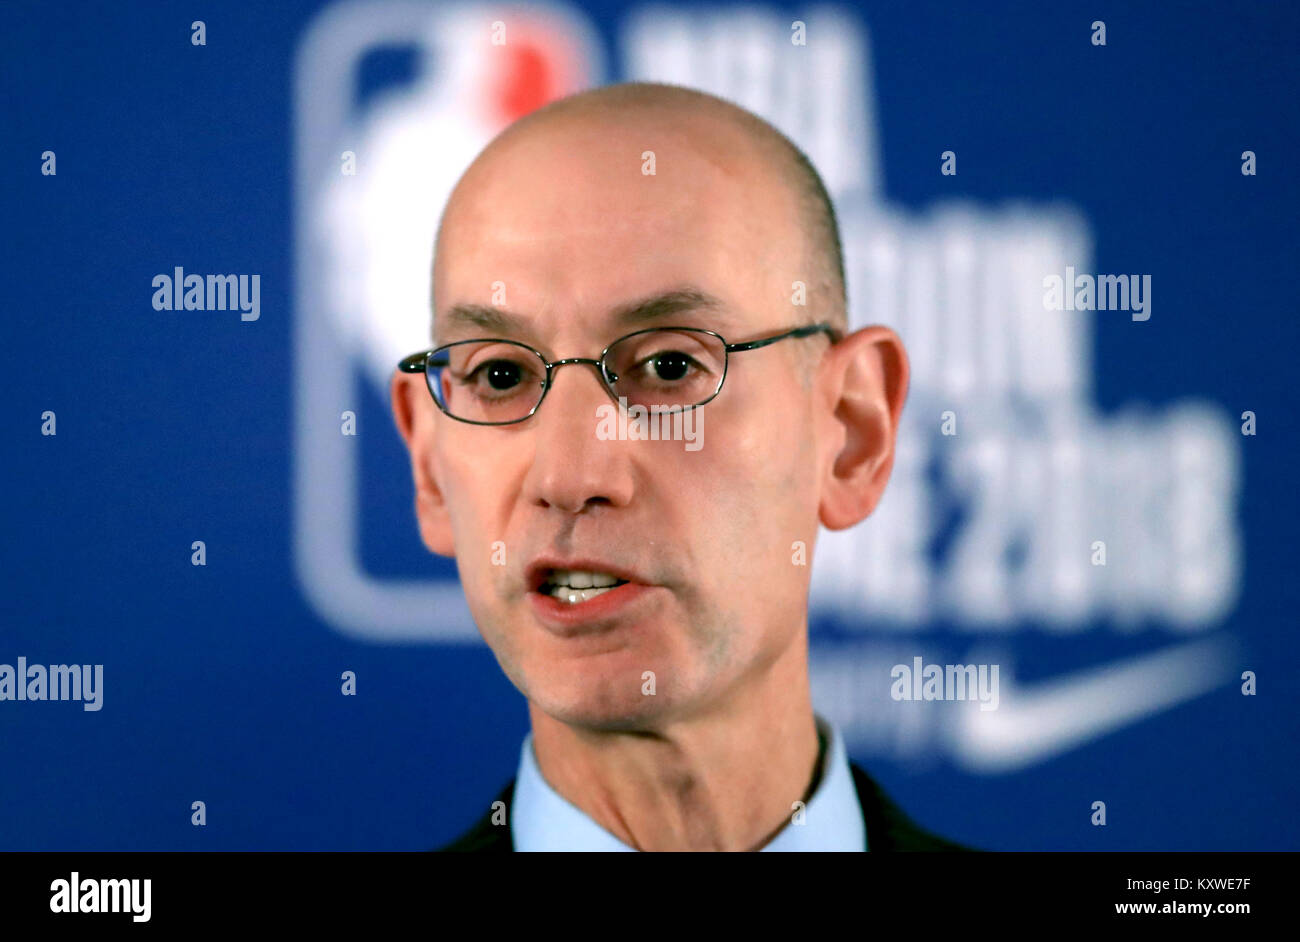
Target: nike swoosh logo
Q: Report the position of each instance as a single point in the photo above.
(1035, 723)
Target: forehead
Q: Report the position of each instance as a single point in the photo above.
(568, 226)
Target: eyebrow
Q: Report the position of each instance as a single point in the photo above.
(677, 301)
(632, 314)
(485, 316)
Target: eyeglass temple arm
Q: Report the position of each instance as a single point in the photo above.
(415, 363)
(806, 331)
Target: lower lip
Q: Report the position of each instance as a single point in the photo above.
(596, 614)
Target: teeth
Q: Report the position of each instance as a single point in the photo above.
(576, 579)
(574, 596)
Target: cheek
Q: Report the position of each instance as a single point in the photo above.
(766, 464)
(469, 489)
(472, 493)
(746, 490)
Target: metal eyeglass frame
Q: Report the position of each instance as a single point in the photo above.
(419, 362)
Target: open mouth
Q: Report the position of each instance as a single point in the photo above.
(573, 586)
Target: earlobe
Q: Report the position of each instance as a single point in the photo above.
(413, 415)
(868, 385)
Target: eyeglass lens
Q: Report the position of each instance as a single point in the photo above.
(497, 381)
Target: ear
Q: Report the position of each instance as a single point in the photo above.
(863, 384)
(413, 411)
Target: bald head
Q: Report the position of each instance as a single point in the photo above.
(737, 143)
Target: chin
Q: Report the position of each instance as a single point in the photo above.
(599, 705)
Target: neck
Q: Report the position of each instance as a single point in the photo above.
(725, 778)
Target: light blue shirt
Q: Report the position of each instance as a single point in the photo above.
(542, 820)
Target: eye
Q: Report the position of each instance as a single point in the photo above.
(671, 365)
(500, 374)
(667, 366)
(497, 378)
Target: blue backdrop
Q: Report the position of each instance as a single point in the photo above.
(221, 682)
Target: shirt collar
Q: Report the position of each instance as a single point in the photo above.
(542, 820)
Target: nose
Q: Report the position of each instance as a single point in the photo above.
(572, 468)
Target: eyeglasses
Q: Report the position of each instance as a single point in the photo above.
(663, 369)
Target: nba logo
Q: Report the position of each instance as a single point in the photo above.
(371, 176)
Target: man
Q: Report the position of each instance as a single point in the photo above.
(649, 597)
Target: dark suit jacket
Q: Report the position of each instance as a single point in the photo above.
(888, 828)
